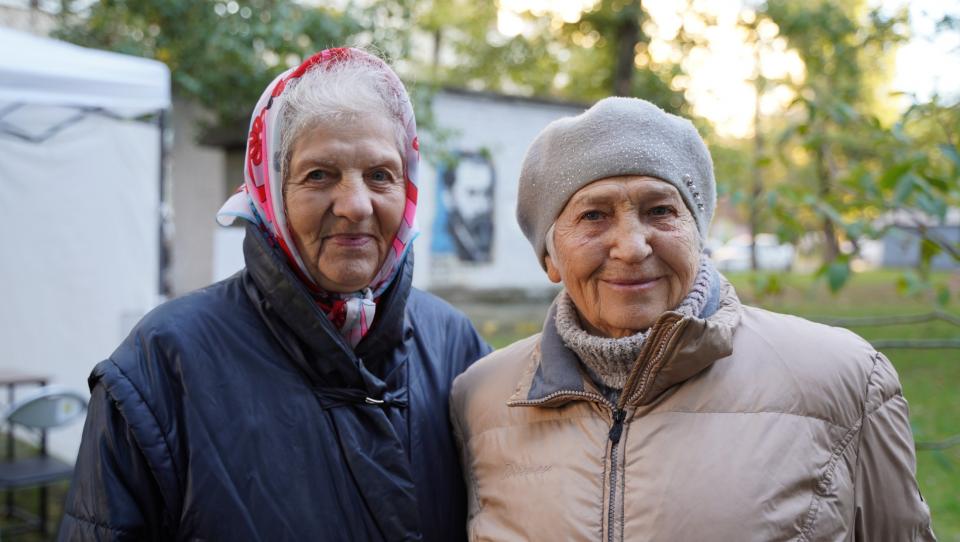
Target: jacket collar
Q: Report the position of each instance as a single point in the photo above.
(309, 336)
(676, 349)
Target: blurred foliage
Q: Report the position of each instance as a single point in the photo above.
(842, 161)
(839, 166)
(618, 47)
(604, 52)
(843, 50)
(466, 50)
(221, 54)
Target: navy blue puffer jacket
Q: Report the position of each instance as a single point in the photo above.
(239, 413)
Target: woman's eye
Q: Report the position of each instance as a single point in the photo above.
(381, 175)
(317, 175)
(660, 210)
(591, 216)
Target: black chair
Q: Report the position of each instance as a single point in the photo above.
(44, 409)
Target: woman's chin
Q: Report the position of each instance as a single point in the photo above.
(343, 281)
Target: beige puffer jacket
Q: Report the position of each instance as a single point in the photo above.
(749, 425)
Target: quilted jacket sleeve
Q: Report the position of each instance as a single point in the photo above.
(889, 504)
(456, 421)
(113, 495)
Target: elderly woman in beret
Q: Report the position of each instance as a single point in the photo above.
(654, 405)
(304, 398)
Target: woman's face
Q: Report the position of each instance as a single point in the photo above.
(344, 197)
(626, 249)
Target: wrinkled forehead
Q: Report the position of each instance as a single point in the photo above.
(632, 187)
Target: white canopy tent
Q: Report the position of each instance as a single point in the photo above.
(81, 171)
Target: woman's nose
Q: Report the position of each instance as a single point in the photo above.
(352, 199)
(631, 241)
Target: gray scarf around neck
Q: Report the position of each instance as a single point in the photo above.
(609, 361)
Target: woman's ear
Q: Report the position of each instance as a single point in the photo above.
(552, 272)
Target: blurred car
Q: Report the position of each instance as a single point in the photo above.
(772, 255)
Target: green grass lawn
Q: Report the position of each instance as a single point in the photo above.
(931, 378)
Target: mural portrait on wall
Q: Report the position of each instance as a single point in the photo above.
(465, 208)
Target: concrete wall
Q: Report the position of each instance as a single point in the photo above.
(198, 190)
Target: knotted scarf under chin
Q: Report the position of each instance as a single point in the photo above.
(352, 315)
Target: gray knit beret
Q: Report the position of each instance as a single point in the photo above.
(617, 136)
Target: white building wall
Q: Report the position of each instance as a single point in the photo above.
(504, 127)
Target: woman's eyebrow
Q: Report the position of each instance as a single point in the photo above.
(657, 194)
(376, 161)
(308, 160)
(660, 192)
(593, 199)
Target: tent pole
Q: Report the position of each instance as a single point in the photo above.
(163, 286)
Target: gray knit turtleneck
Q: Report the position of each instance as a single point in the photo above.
(610, 360)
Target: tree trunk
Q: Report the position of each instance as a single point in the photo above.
(437, 43)
(757, 190)
(627, 38)
(831, 247)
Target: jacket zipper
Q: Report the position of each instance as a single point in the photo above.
(616, 431)
(563, 393)
(662, 346)
(619, 415)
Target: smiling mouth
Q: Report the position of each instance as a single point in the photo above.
(633, 283)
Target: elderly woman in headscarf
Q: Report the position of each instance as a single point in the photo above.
(654, 405)
(305, 397)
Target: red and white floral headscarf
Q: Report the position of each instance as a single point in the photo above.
(260, 199)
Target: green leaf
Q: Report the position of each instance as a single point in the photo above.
(928, 250)
(903, 285)
(838, 272)
(951, 152)
(827, 210)
(904, 188)
(898, 133)
(932, 205)
(767, 284)
(910, 284)
(893, 174)
(855, 229)
(774, 285)
(943, 295)
(936, 182)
